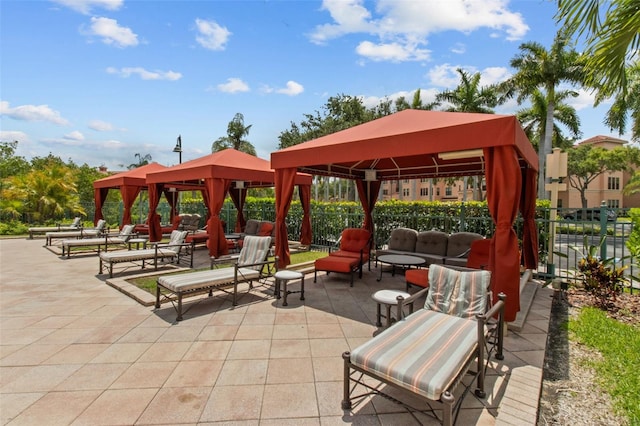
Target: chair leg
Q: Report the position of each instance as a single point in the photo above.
(157, 305)
(179, 318)
(346, 397)
(302, 288)
(315, 275)
(447, 408)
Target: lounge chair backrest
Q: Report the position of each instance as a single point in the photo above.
(254, 250)
(101, 224)
(76, 222)
(459, 293)
(177, 238)
(127, 232)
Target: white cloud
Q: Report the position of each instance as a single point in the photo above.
(145, 74)
(426, 96)
(293, 88)
(112, 33)
(14, 135)
(100, 126)
(446, 75)
(32, 113)
(402, 27)
(85, 6)
(394, 52)
(459, 48)
(74, 136)
(212, 36)
(585, 99)
(233, 85)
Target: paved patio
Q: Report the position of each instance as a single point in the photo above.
(75, 350)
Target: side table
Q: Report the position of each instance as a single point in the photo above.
(137, 242)
(388, 298)
(283, 277)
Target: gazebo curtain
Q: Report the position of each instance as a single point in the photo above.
(528, 211)
(129, 194)
(368, 193)
(504, 186)
(306, 233)
(284, 180)
(99, 195)
(172, 199)
(155, 230)
(217, 189)
(238, 196)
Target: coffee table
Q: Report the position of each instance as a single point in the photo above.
(403, 260)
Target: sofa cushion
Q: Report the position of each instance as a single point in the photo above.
(252, 227)
(354, 240)
(403, 239)
(432, 242)
(460, 243)
(266, 229)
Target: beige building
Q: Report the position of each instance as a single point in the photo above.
(607, 187)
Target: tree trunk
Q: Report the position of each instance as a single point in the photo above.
(546, 144)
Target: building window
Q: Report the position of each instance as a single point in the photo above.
(405, 192)
(448, 191)
(613, 204)
(424, 180)
(406, 181)
(438, 191)
(613, 183)
(385, 192)
(424, 192)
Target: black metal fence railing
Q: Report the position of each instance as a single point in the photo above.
(328, 220)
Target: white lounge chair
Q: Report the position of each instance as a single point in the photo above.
(75, 225)
(121, 238)
(170, 251)
(99, 230)
(428, 352)
(249, 266)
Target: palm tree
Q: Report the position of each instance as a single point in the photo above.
(624, 102)
(143, 160)
(611, 42)
(534, 119)
(469, 96)
(539, 68)
(236, 131)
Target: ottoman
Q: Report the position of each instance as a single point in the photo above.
(343, 265)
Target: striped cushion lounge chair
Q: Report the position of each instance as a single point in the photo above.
(59, 227)
(99, 230)
(109, 239)
(428, 352)
(250, 265)
(170, 251)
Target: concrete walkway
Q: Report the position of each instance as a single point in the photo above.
(75, 350)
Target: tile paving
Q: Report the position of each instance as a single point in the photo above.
(74, 351)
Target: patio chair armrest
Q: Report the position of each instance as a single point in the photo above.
(464, 253)
(409, 301)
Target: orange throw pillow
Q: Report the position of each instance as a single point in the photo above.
(265, 229)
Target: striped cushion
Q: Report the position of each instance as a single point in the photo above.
(205, 279)
(424, 353)
(463, 294)
(135, 255)
(254, 250)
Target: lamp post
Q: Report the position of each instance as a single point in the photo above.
(178, 148)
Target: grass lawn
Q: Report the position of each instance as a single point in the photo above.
(149, 283)
(619, 369)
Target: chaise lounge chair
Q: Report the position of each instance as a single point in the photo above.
(428, 352)
(165, 252)
(59, 227)
(249, 266)
(108, 240)
(99, 230)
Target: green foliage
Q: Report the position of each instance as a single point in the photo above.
(601, 277)
(633, 242)
(236, 131)
(469, 96)
(13, 228)
(619, 345)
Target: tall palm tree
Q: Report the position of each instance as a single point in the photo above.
(612, 37)
(534, 119)
(236, 131)
(538, 68)
(469, 96)
(624, 103)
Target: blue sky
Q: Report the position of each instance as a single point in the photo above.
(97, 81)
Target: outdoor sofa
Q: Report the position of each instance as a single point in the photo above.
(435, 247)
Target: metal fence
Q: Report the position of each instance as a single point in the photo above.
(569, 228)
